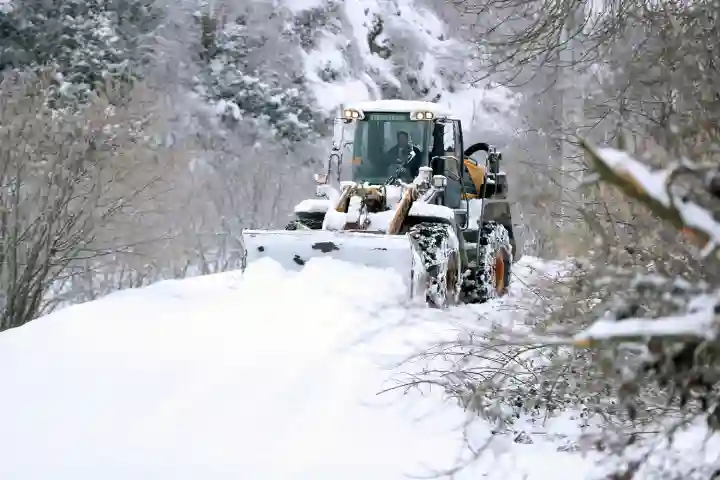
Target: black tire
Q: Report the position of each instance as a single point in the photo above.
(483, 282)
(440, 261)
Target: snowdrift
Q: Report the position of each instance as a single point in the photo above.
(271, 375)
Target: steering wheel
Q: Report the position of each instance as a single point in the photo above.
(394, 178)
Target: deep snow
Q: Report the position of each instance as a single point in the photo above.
(272, 375)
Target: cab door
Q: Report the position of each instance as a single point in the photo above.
(460, 148)
(452, 147)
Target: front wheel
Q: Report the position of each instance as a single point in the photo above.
(440, 260)
(491, 276)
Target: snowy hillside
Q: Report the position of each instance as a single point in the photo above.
(329, 52)
(226, 376)
(369, 49)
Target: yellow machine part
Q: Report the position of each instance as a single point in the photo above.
(366, 192)
(477, 173)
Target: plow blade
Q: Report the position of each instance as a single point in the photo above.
(294, 248)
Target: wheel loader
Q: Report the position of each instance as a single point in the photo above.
(416, 201)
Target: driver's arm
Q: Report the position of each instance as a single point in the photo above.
(414, 165)
(391, 153)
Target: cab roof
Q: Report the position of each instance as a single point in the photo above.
(399, 106)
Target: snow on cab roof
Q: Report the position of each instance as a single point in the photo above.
(391, 106)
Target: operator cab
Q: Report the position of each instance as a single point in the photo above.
(389, 144)
(392, 139)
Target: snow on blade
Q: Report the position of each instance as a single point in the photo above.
(228, 376)
(313, 205)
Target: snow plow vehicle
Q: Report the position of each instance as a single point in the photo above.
(415, 202)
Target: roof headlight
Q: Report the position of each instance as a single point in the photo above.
(352, 114)
(423, 116)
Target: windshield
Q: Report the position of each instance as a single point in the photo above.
(383, 142)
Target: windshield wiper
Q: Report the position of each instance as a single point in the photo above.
(401, 168)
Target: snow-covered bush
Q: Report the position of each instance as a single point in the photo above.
(514, 374)
(78, 187)
(656, 331)
(629, 338)
(625, 341)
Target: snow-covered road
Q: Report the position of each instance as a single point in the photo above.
(271, 375)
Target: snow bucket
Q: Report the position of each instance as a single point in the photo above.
(294, 248)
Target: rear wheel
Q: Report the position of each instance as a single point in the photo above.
(440, 260)
(491, 276)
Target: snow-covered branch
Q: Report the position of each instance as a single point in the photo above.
(701, 323)
(654, 188)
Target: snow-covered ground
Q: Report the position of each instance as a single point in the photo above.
(270, 375)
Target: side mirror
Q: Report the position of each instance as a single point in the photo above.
(451, 168)
(333, 166)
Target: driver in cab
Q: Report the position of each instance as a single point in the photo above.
(404, 158)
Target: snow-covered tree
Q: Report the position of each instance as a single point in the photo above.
(252, 74)
(88, 43)
(79, 189)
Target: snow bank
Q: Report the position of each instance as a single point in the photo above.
(272, 375)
